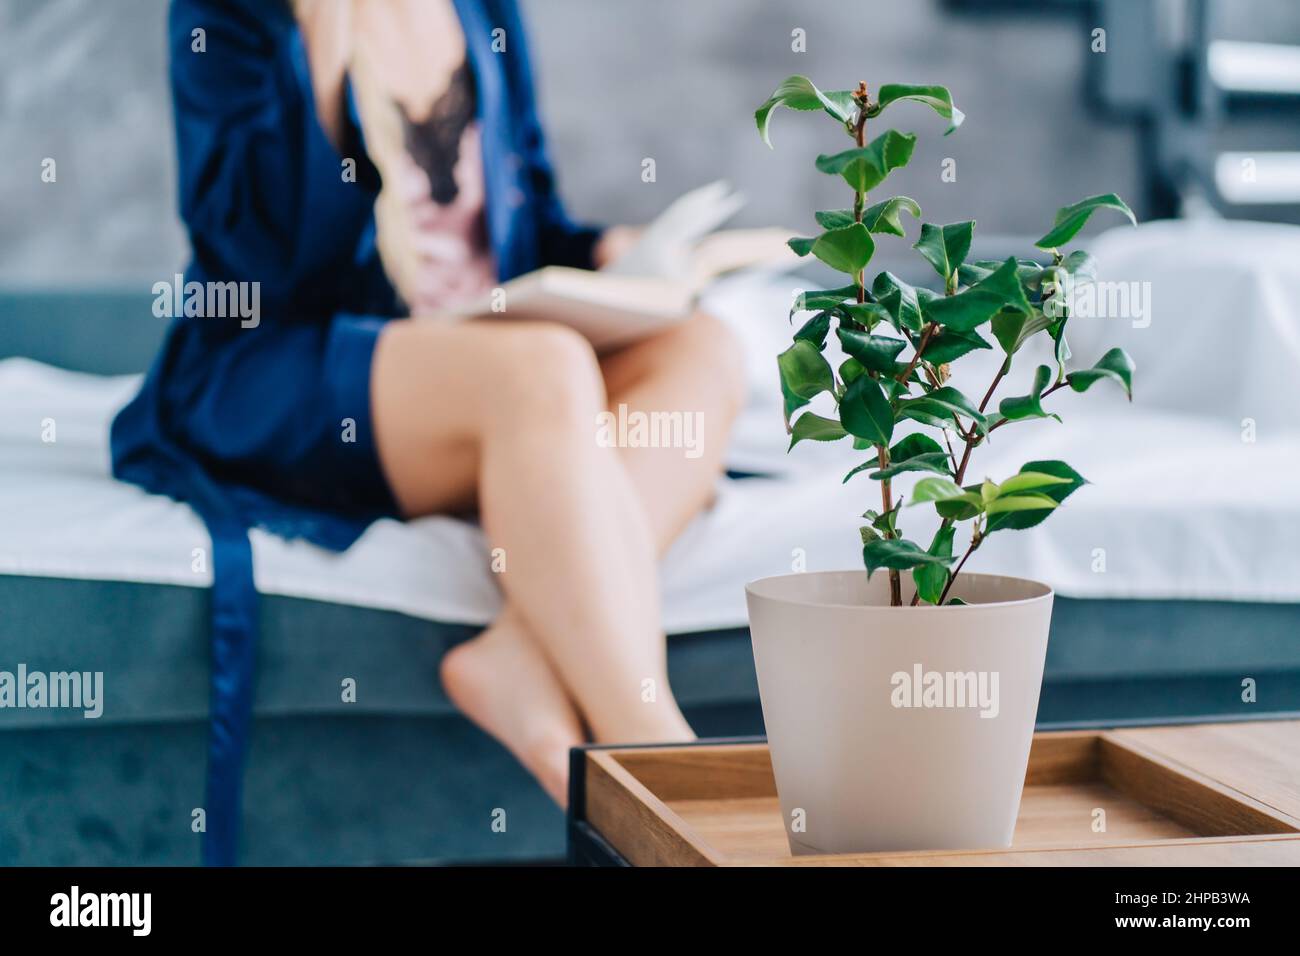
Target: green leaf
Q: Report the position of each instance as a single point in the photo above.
(898, 554)
(1006, 329)
(1027, 502)
(815, 330)
(900, 299)
(944, 402)
(1013, 329)
(865, 167)
(805, 373)
(1081, 265)
(936, 462)
(816, 428)
(869, 314)
(895, 390)
(1060, 347)
(945, 247)
(1020, 520)
(913, 445)
(935, 489)
(957, 602)
(851, 369)
(916, 452)
(1029, 481)
(814, 299)
(1115, 365)
(961, 508)
(801, 245)
(951, 344)
(844, 250)
(834, 218)
(804, 370)
(1070, 219)
(935, 416)
(886, 523)
(936, 97)
(799, 93)
(875, 352)
(972, 272)
(930, 579)
(884, 216)
(1029, 406)
(791, 403)
(865, 411)
(860, 468)
(971, 308)
(924, 295)
(1027, 270)
(988, 492)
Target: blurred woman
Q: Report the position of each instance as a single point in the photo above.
(371, 163)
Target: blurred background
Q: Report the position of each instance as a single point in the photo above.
(1182, 87)
(1176, 573)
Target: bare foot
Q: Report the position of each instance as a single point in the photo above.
(649, 722)
(502, 682)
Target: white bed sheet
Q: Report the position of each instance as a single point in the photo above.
(1179, 506)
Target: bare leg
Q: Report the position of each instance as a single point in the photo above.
(512, 408)
(503, 682)
(499, 679)
(693, 369)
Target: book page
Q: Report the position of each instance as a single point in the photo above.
(732, 249)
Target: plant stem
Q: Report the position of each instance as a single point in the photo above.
(887, 501)
(972, 438)
(951, 454)
(997, 380)
(920, 347)
(882, 453)
(952, 578)
(860, 138)
(1059, 385)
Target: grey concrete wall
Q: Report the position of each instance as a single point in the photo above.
(83, 82)
(682, 87)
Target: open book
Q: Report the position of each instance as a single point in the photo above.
(654, 285)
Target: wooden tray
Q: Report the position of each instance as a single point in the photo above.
(1213, 795)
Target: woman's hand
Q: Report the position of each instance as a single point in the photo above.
(614, 242)
(666, 246)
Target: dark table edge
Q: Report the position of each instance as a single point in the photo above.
(587, 847)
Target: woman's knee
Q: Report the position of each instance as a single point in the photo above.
(544, 370)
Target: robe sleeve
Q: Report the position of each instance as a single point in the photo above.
(262, 190)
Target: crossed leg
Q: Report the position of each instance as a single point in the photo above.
(503, 416)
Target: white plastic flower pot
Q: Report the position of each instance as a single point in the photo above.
(898, 728)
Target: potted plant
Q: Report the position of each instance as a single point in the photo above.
(902, 720)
